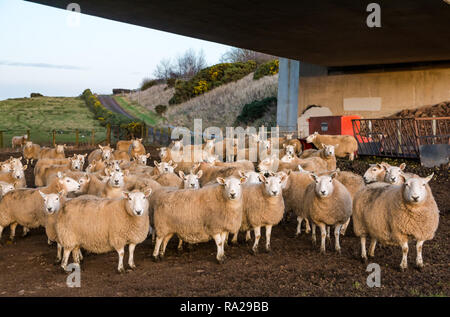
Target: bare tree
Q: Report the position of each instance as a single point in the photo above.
(185, 66)
(242, 55)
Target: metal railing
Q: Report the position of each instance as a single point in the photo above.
(399, 138)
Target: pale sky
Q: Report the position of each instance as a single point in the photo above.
(41, 51)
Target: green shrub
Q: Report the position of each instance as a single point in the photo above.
(147, 83)
(269, 68)
(256, 110)
(171, 82)
(160, 109)
(35, 94)
(210, 78)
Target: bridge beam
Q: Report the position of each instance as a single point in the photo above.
(287, 105)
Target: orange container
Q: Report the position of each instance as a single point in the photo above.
(334, 125)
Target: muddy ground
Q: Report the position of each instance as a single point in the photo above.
(293, 268)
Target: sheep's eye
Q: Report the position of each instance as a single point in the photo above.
(67, 181)
(57, 199)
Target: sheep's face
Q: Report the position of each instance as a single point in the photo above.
(177, 145)
(163, 153)
(52, 202)
(210, 158)
(106, 153)
(265, 165)
(116, 179)
(328, 150)
(273, 184)
(290, 150)
(142, 159)
(311, 138)
(191, 180)
(84, 182)
(136, 143)
(91, 166)
(5, 167)
(114, 166)
(16, 162)
(75, 164)
(415, 189)
(232, 187)
(287, 158)
(60, 149)
(5, 188)
(209, 145)
(264, 145)
(323, 184)
(165, 167)
(81, 158)
(18, 173)
(394, 174)
(289, 136)
(28, 144)
(137, 202)
(374, 173)
(70, 185)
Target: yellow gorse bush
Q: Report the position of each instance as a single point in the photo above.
(201, 87)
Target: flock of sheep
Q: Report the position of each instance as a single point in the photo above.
(119, 200)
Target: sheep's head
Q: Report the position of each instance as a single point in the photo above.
(114, 165)
(311, 138)
(415, 189)
(289, 149)
(208, 158)
(75, 164)
(165, 167)
(163, 152)
(264, 145)
(328, 150)
(137, 202)
(274, 184)
(136, 143)
(84, 183)
(5, 167)
(81, 158)
(60, 148)
(52, 202)
(106, 152)
(16, 162)
(142, 159)
(209, 145)
(252, 177)
(375, 173)
(17, 171)
(5, 188)
(191, 180)
(69, 184)
(28, 144)
(323, 184)
(232, 187)
(116, 179)
(394, 174)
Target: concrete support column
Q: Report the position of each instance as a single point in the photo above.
(287, 105)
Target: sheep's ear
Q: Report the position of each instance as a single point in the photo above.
(148, 155)
(88, 178)
(42, 194)
(181, 174)
(170, 162)
(313, 176)
(242, 174)
(284, 145)
(107, 172)
(199, 174)
(243, 180)
(25, 167)
(262, 178)
(333, 175)
(402, 166)
(220, 180)
(60, 175)
(100, 146)
(174, 166)
(61, 193)
(156, 163)
(126, 195)
(147, 192)
(429, 177)
(300, 168)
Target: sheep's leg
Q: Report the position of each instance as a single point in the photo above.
(363, 248)
(162, 251)
(308, 228)
(224, 237)
(49, 242)
(25, 231)
(121, 253)
(323, 235)
(234, 240)
(313, 234)
(419, 260)
(257, 231)
(351, 156)
(373, 244)
(76, 255)
(328, 233)
(65, 259)
(268, 233)
(219, 244)
(299, 226)
(180, 245)
(337, 246)
(1, 230)
(12, 228)
(80, 254)
(157, 247)
(131, 248)
(344, 227)
(58, 253)
(248, 236)
(404, 263)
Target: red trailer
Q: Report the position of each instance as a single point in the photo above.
(335, 125)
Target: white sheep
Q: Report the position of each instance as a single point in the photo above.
(393, 214)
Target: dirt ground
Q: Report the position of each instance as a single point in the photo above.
(293, 268)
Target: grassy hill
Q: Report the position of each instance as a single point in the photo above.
(43, 114)
(150, 117)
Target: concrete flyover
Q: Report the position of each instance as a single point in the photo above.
(329, 33)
